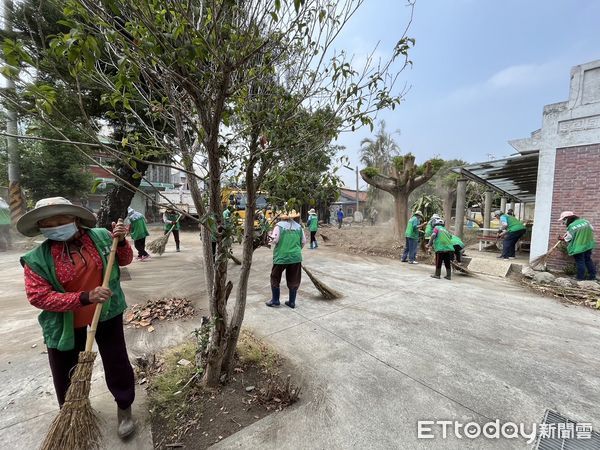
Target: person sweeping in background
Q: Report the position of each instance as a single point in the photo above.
(412, 238)
(580, 243)
(171, 221)
(139, 232)
(288, 239)
(511, 229)
(441, 241)
(63, 278)
(313, 226)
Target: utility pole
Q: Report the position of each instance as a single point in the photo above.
(15, 196)
(357, 188)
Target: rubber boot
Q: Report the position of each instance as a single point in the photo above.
(292, 301)
(316, 245)
(126, 425)
(177, 248)
(448, 275)
(437, 274)
(274, 302)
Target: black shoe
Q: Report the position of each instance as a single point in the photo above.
(435, 276)
(272, 304)
(448, 277)
(290, 305)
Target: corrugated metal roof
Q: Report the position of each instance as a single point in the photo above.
(514, 177)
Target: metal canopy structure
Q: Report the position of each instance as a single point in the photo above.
(515, 177)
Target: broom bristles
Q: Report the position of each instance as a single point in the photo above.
(461, 269)
(158, 246)
(76, 426)
(326, 292)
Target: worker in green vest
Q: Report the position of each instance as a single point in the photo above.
(313, 227)
(171, 222)
(412, 238)
(138, 231)
(511, 229)
(429, 227)
(4, 226)
(63, 278)
(441, 241)
(580, 243)
(288, 239)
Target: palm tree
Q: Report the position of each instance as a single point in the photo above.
(378, 153)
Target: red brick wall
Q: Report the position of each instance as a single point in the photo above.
(577, 189)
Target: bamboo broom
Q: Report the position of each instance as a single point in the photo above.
(157, 246)
(543, 259)
(76, 425)
(326, 292)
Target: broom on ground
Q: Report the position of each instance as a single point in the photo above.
(76, 425)
(461, 269)
(234, 259)
(157, 246)
(326, 292)
(543, 259)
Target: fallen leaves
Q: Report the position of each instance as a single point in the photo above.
(142, 316)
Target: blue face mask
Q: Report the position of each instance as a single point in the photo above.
(61, 233)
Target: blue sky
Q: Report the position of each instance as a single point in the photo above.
(482, 70)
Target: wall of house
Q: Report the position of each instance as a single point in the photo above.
(576, 188)
(570, 132)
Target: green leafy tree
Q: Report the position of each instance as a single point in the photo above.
(52, 169)
(404, 178)
(229, 78)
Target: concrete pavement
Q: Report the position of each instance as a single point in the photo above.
(402, 347)
(399, 347)
(28, 403)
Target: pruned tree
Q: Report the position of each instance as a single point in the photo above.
(405, 177)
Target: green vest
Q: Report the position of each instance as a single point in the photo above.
(139, 230)
(457, 241)
(57, 327)
(313, 222)
(583, 237)
(289, 248)
(4, 216)
(428, 229)
(443, 240)
(411, 231)
(172, 218)
(514, 224)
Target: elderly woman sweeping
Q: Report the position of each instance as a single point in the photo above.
(288, 239)
(139, 232)
(63, 278)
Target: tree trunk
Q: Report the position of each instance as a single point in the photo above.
(401, 208)
(242, 287)
(115, 203)
(448, 201)
(221, 287)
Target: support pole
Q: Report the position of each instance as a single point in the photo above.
(357, 189)
(487, 213)
(15, 196)
(503, 201)
(461, 200)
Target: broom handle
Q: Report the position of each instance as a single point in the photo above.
(91, 334)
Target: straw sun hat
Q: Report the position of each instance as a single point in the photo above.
(50, 207)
